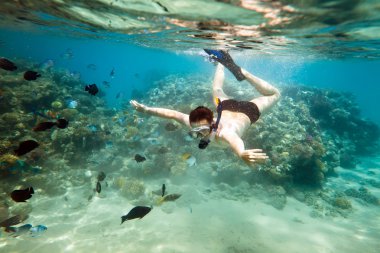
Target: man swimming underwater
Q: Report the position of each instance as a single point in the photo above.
(234, 117)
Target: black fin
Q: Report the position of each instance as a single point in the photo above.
(226, 60)
(123, 218)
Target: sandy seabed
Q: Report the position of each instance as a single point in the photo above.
(208, 225)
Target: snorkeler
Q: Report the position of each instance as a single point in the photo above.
(234, 117)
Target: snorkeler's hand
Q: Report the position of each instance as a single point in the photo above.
(253, 155)
(138, 107)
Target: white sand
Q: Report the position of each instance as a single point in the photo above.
(214, 225)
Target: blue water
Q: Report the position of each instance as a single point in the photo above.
(139, 67)
(316, 193)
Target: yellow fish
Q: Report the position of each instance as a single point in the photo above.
(216, 101)
(169, 197)
(185, 156)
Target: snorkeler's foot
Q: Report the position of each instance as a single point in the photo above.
(225, 59)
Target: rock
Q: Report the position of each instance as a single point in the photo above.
(363, 194)
(342, 202)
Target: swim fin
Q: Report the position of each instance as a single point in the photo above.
(226, 60)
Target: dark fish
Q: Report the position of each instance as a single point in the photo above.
(22, 195)
(25, 147)
(91, 66)
(31, 75)
(101, 176)
(98, 187)
(162, 6)
(44, 126)
(163, 190)
(136, 212)
(139, 158)
(119, 94)
(92, 89)
(7, 64)
(112, 74)
(62, 123)
(13, 220)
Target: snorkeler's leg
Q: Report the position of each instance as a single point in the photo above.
(217, 85)
(225, 58)
(270, 94)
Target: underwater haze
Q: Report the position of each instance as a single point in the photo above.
(84, 170)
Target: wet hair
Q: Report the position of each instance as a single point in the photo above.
(201, 113)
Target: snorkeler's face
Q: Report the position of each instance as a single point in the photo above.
(200, 129)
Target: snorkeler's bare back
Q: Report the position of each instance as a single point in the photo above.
(233, 122)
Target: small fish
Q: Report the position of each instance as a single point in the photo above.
(62, 123)
(171, 127)
(112, 74)
(170, 197)
(7, 64)
(119, 95)
(41, 114)
(37, 230)
(162, 6)
(91, 66)
(163, 190)
(98, 187)
(136, 212)
(22, 195)
(25, 147)
(68, 54)
(92, 89)
(191, 161)
(44, 126)
(72, 75)
(14, 220)
(107, 84)
(72, 104)
(101, 176)
(17, 231)
(93, 128)
(31, 75)
(185, 156)
(47, 64)
(139, 158)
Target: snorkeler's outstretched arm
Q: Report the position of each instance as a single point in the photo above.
(162, 112)
(248, 155)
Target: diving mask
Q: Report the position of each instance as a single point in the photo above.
(200, 132)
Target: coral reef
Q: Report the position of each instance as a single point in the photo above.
(342, 202)
(129, 188)
(363, 194)
(307, 135)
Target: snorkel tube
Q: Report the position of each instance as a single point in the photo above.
(203, 143)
